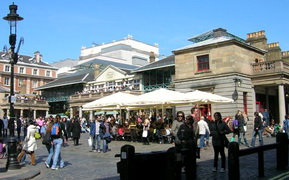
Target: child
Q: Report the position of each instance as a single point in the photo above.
(2, 148)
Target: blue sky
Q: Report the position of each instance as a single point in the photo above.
(59, 28)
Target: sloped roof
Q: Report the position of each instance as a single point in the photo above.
(166, 62)
(4, 89)
(106, 62)
(81, 76)
(216, 36)
(28, 60)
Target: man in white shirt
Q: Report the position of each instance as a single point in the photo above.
(203, 127)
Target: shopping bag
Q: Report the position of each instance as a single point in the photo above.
(145, 133)
(89, 141)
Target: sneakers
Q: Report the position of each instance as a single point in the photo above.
(214, 169)
(56, 168)
(98, 150)
(94, 150)
(222, 170)
(47, 165)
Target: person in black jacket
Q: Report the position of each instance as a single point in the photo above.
(218, 130)
(258, 125)
(186, 133)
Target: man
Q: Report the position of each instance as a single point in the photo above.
(266, 117)
(95, 133)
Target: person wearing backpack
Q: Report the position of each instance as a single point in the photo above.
(235, 125)
(57, 140)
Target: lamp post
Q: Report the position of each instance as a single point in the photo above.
(238, 83)
(12, 19)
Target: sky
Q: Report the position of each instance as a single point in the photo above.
(59, 28)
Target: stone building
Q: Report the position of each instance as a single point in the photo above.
(251, 71)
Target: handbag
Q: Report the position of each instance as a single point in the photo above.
(37, 135)
(46, 138)
(89, 140)
(145, 133)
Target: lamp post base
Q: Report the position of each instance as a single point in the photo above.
(12, 163)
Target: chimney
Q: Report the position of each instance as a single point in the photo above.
(37, 56)
(257, 39)
(274, 51)
(152, 57)
(96, 70)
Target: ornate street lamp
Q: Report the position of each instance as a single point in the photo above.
(238, 83)
(12, 19)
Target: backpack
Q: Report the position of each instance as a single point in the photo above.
(235, 124)
(55, 129)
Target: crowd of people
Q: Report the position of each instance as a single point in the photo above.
(185, 132)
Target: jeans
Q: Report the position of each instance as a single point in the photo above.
(50, 154)
(202, 141)
(105, 145)
(255, 133)
(221, 150)
(96, 139)
(57, 143)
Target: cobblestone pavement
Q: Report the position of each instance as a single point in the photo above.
(81, 163)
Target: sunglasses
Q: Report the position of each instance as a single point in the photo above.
(180, 116)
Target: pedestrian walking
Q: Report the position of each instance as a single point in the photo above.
(243, 129)
(203, 129)
(95, 134)
(76, 131)
(258, 126)
(57, 140)
(105, 127)
(29, 143)
(5, 126)
(218, 130)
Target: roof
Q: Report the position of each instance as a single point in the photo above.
(166, 62)
(27, 60)
(79, 77)
(216, 36)
(4, 89)
(106, 62)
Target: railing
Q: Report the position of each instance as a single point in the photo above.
(28, 102)
(234, 154)
(156, 86)
(270, 66)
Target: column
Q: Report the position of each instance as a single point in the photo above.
(253, 101)
(267, 98)
(47, 113)
(282, 111)
(71, 112)
(80, 111)
(34, 114)
(21, 112)
(90, 115)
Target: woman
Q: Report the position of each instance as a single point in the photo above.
(76, 130)
(176, 125)
(145, 133)
(257, 129)
(218, 130)
(105, 134)
(29, 143)
(186, 133)
(47, 129)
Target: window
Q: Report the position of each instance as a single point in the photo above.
(21, 70)
(7, 68)
(7, 81)
(48, 73)
(35, 71)
(34, 83)
(20, 82)
(203, 62)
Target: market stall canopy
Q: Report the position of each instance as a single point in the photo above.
(208, 98)
(113, 100)
(161, 97)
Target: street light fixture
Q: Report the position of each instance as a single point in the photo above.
(12, 19)
(238, 82)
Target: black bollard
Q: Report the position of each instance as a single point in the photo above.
(282, 151)
(126, 165)
(233, 161)
(12, 162)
